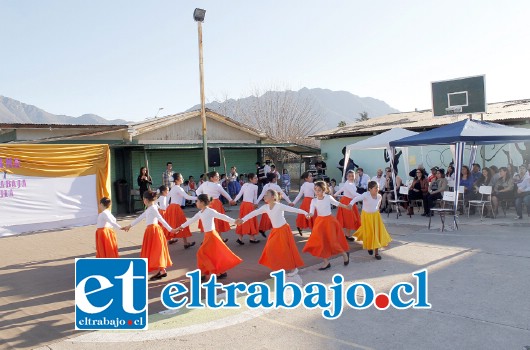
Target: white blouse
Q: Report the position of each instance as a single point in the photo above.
(249, 191)
(106, 219)
(207, 217)
(275, 187)
(307, 190)
(178, 195)
(349, 189)
(162, 202)
(152, 217)
(370, 204)
(212, 190)
(275, 214)
(323, 206)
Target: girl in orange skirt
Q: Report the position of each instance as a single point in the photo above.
(350, 220)
(213, 257)
(162, 204)
(327, 238)
(106, 243)
(372, 232)
(265, 222)
(306, 190)
(249, 191)
(280, 251)
(154, 245)
(174, 213)
(214, 190)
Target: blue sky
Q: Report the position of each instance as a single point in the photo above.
(125, 59)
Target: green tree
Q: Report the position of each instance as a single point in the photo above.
(341, 124)
(363, 116)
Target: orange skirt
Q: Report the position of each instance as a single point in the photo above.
(106, 243)
(220, 225)
(280, 251)
(327, 238)
(154, 248)
(265, 223)
(214, 256)
(301, 220)
(250, 227)
(348, 219)
(175, 217)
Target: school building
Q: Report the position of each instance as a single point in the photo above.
(174, 138)
(513, 113)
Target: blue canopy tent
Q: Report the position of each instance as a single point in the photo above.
(467, 131)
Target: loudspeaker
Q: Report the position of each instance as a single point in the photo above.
(214, 157)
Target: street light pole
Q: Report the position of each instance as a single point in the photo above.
(198, 16)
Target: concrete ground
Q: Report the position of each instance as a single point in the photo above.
(478, 288)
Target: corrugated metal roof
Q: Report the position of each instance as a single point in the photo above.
(501, 112)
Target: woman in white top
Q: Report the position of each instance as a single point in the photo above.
(372, 232)
(213, 190)
(249, 192)
(350, 220)
(327, 238)
(280, 251)
(106, 243)
(154, 245)
(265, 223)
(174, 213)
(213, 257)
(308, 191)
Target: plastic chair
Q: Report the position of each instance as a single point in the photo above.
(446, 208)
(484, 191)
(403, 190)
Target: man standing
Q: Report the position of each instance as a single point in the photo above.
(321, 166)
(262, 176)
(267, 166)
(167, 176)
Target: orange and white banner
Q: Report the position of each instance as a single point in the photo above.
(45, 187)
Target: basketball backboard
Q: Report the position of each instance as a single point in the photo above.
(459, 96)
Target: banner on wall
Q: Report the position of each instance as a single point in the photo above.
(44, 187)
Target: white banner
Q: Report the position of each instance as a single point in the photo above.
(30, 203)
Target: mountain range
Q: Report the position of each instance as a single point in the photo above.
(332, 107)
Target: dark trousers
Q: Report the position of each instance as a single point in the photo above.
(519, 200)
(429, 200)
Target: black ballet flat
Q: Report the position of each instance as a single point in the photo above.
(325, 267)
(254, 241)
(225, 240)
(263, 233)
(371, 252)
(186, 246)
(349, 238)
(222, 276)
(299, 231)
(240, 242)
(378, 257)
(156, 277)
(347, 261)
(163, 275)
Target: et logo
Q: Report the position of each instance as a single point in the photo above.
(110, 294)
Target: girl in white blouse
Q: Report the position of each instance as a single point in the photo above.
(280, 251)
(265, 223)
(174, 213)
(106, 243)
(213, 257)
(372, 232)
(307, 190)
(327, 238)
(249, 192)
(350, 220)
(154, 245)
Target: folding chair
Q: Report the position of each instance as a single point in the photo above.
(403, 190)
(461, 197)
(485, 192)
(446, 208)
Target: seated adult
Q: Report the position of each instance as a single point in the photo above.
(436, 190)
(418, 189)
(389, 190)
(432, 176)
(361, 181)
(381, 181)
(522, 196)
(420, 167)
(502, 190)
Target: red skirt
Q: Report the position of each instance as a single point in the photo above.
(175, 217)
(301, 220)
(348, 219)
(106, 243)
(250, 227)
(214, 256)
(265, 223)
(280, 251)
(220, 225)
(154, 248)
(327, 238)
